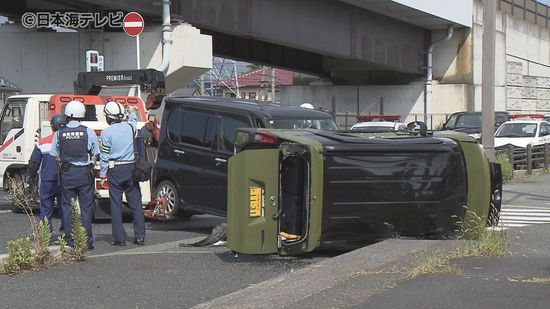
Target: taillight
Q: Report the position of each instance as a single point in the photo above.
(265, 138)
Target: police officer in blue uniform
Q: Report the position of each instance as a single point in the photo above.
(117, 156)
(49, 179)
(76, 148)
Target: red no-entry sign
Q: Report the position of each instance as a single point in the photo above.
(133, 24)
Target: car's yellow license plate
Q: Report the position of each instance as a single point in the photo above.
(255, 205)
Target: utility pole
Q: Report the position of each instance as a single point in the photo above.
(263, 85)
(202, 85)
(236, 74)
(488, 78)
(273, 85)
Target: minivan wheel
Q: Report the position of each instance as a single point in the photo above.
(167, 191)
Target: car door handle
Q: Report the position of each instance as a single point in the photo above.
(220, 161)
(179, 151)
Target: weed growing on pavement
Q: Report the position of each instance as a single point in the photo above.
(41, 252)
(506, 165)
(437, 264)
(80, 237)
(491, 240)
(62, 246)
(21, 199)
(33, 251)
(19, 256)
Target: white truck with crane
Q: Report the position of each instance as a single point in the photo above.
(26, 117)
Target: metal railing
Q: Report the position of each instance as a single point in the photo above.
(528, 158)
(529, 10)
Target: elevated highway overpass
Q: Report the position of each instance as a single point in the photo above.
(337, 39)
(372, 51)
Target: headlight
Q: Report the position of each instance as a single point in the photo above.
(497, 195)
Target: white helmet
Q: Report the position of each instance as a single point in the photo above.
(307, 105)
(113, 110)
(75, 109)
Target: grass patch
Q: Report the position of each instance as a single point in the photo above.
(32, 253)
(437, 264)
(490, 241)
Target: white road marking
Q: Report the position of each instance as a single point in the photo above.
(509, 206)
(5, 211)
(513, 216)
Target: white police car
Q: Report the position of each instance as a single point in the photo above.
(522, 132)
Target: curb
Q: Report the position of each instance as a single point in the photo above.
(54, 253)
(291, 288)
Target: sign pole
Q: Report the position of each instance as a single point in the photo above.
(137, 53)
(133, 25)
(138, 62)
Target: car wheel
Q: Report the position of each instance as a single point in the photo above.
(166, 192)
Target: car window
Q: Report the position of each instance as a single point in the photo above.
(194, 129)
(464, 121)
(228, 125)
(173, 125)
(517, 130)
(12, 117)
(543, 130)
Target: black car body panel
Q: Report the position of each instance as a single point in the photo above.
(197, 138)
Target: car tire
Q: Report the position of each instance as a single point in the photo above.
(166, 189)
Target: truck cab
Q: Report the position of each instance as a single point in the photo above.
(19, 124)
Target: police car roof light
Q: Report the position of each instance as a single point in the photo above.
(527, 117)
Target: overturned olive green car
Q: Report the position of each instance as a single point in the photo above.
(295, 191)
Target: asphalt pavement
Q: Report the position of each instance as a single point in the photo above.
(162, 274)
(520, 279)
(377, 276)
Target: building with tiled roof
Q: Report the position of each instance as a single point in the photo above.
(249, 84)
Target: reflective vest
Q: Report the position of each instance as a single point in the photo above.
(73, 144)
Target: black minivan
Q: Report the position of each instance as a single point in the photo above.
(197, 138)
